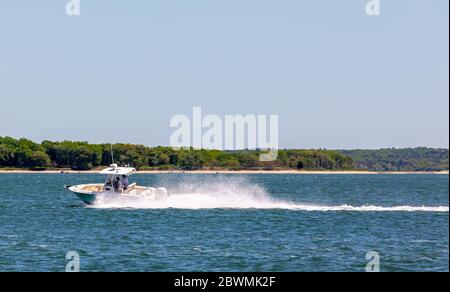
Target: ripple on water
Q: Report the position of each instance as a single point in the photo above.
(39, 233)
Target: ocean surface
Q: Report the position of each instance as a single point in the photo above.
(260, 222)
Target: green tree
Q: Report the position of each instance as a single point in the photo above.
(190, 159)
(6, 155)
(164, 159)
(22, 157)
(39, 159)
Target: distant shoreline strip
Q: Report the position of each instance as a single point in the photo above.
(225, 172)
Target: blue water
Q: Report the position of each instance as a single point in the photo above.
(258, 222)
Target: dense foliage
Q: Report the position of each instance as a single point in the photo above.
(23, 153)
(409, 159)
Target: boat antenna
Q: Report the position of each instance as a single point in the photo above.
(112, 154)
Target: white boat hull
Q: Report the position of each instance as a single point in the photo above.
(89, 193)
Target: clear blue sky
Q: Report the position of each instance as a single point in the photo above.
(118, 73)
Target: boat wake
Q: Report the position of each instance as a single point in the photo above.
(236, 194)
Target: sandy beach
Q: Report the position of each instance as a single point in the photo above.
(226, 172)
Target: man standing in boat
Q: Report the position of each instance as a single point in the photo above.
(117, 185)
(125, 182)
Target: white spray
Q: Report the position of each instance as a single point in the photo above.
(236, 193)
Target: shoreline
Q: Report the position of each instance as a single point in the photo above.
(299, 172)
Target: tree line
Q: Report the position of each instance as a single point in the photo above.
(24, 153)
(407, 159)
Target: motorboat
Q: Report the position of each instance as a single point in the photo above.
(116, 184)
